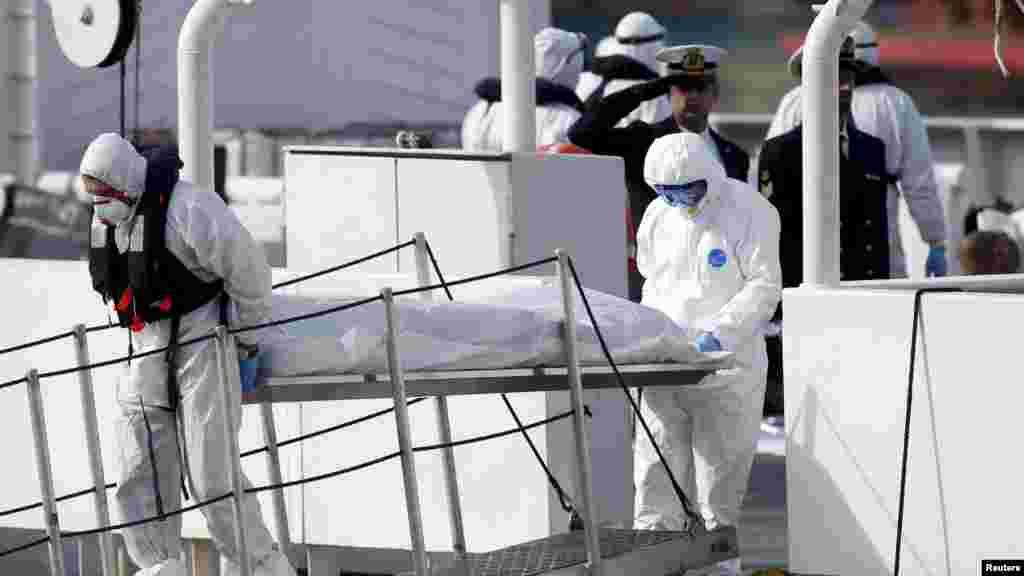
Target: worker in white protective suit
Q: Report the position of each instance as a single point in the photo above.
(206, 252)
(707, 248)
(558, 58)
(628, 60)
(886, 112)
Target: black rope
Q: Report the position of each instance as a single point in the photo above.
(101, 328)
(35, 343)
(493, 435)
(345, 265)
(323, 312)
(563, 499)
(636, 409)
(121, 359)
(25, 546)
(152, 459)
(317, 478)
(475, 278)
(437, 269)
(391, 455)
(12, 383)
(123, 120)
(71, 496)
(334, 428)
(159, 517)
(906, 425)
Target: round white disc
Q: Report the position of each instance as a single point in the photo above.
(87, 30)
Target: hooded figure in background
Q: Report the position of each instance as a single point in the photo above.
(882, 110)
(589, 81)
(629, 60)
(558, 56)
(167, 283)
(708, 250)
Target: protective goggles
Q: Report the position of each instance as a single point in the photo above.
(688, 195)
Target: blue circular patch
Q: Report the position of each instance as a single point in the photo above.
(717, 258)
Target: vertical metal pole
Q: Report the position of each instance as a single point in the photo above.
(412, 497)
(517, 77)
(45, 473)
(584, 479)
(22, 89)
(284, 538)
(444, 430)
(92, 443)
(225, 355)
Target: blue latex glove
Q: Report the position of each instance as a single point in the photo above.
(935, 265)
(248, 369)
(707, 342)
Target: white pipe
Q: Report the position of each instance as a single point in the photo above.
(24, 141)
(517, 78)
(195, 91)
(820, 88)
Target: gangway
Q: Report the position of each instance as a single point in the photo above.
(586, 549)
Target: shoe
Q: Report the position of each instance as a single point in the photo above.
(169, 567)
(276, 564)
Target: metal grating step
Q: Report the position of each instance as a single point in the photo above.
(632, 552)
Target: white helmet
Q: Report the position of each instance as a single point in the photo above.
(605, 47)
(865, 48)
(638, 28)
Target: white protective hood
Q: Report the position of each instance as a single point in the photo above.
(114, 161)
(683, 158)
(558, 56)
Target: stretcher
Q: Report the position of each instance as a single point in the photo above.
(541, 338)
(537, 338)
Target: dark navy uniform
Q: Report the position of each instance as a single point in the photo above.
(863, 218)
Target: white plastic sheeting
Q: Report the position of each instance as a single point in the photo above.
(519, 328)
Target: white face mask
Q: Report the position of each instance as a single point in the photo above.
(112, 212)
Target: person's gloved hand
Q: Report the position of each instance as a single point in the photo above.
(935, 265)
(248, 367)
(707, 342)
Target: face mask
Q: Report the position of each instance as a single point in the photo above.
(683, 195)
(112, 212)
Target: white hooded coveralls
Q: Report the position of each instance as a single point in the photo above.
(558, 58)
(716, 271)
(209, 240)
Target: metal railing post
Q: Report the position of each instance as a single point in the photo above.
(444, 429)
(412, 498)
(225, 358)
(92, 443)
(45, 473)
(584, 472)
(284, 538)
